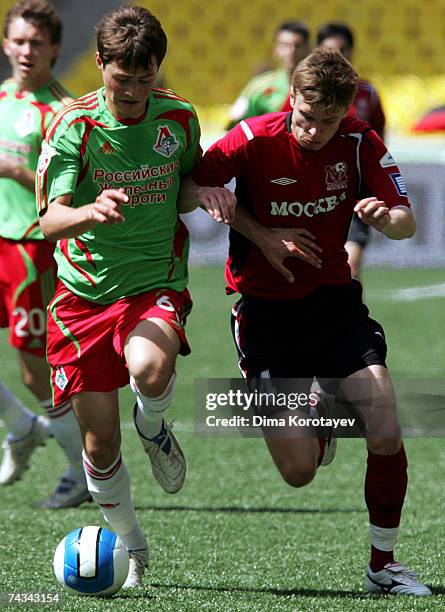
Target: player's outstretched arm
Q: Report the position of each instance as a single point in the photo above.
(15, 172)
(396, 223)
(60, 221)
(219, 202)
(277, 244)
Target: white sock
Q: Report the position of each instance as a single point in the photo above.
(150, 410)
(64, 427)
(18, 418)
(110, 489)
(383, 538)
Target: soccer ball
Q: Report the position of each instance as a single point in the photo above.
(91, 561)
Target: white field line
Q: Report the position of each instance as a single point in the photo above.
(410, 294)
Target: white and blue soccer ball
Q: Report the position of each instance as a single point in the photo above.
(91, 561)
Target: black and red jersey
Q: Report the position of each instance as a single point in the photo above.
(284, 185)
(366, 106)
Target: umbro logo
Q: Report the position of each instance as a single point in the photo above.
(283, 181)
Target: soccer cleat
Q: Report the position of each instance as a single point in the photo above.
(322, 409)
(67, 494)
(395, 579)
(17, 453)
(136, 569)
(167, 460)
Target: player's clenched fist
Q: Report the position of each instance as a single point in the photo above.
(373, 212)
(106, 208)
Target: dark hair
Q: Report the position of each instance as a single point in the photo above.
(336, 29)
(297, 27)
(325, 78)
(40, 13)
(130, 36)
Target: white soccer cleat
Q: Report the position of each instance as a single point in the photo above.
(17, 453)
(67, 494)
(167, 459)
(395, 579)
(323, 409)
(136, 569)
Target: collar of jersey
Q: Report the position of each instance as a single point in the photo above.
(20, 96)
(136, 121)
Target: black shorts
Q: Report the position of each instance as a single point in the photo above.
(359, 232)
(327, 334)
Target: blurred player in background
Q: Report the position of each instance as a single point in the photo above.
(109, 177)
(269, 92)
(365, 106)
(28, 102)
(300, 177)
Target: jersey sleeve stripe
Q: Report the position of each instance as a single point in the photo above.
(30, 229)
(167, 93)
(72, 107)
(359, 137)
(55, 93)
(247, 131)
(61, 88)
(41, 192)
(61, 91)
(89, 125)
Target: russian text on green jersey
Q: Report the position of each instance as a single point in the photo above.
(88, 150)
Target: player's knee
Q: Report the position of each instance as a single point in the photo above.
(101, 450)
(152, 377)
(384, 446)
(297, 476)
(29, 380)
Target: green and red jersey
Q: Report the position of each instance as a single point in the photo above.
(88, 150)
(264, 93)
(23, 123)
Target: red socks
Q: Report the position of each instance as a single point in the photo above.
(385, 488)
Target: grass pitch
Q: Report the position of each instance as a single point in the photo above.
(236, 537)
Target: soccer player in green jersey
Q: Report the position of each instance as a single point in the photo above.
(108, 182)
(28, 102)
(269, 92)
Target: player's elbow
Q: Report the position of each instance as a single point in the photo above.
(47, 227)
(412, 227)
(409, 228)
(403, 226)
